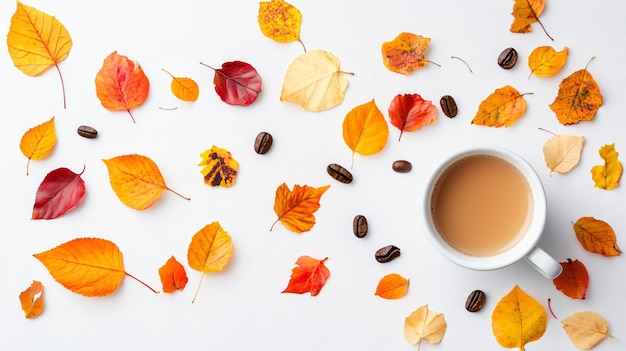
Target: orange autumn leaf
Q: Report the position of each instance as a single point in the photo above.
(136, 180)
(183, 88)
(121, 84)
(280, 21)
(219, 167)
(37, 41)
(406, 53)
(544, 61)
(578, 99)
(608, 175)
(39, 141)
(410, 112)
(310, 276)
(502, 108)
(573, 280)
(518, 319)
(365, 130)
(392, 286)
(295, 208)
(31, 300)
(526, 12)
(596, 236)
(424, 324)
(173, 276)
(209, 251)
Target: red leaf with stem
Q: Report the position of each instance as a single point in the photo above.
(410, 112)
(310, 276)
(236, 83)
(574, 279)
(60, 192)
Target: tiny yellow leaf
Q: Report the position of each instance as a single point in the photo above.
(184, 88)
(608, 175)
(38, 142)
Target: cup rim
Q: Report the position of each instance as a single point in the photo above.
(519, 250)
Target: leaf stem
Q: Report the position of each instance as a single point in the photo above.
(198, 288)
(131, 116)
(434, 63)
(62, 85)
(204, 64)
(550, 308)
(545, 130)
(344, 72)
(301, 43)
(466, 64)
(166, 71)
(544, 28)
(144, 284)
(184, 197)
(273, 224)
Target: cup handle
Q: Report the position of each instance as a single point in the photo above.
(544, 263)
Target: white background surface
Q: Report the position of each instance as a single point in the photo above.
(242, 308)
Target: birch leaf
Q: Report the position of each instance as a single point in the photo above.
(562, 152)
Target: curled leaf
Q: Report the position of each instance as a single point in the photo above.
(578, 99)
(310, 276)
(184, 88)
(39, 141)
(596, 236)
(280, 21)
(562, 152)
(608, 175)
(518, 319)
(295, 208)
(392, 286)
(526, 12)
(365, 130)
(220, 168)
(424, 324)
(544, 61)
(410, 112)
(60, 192)
(406, 53)
(31, 300)
(573, 280)
(503, 107)
(173, 276)
(586, 329)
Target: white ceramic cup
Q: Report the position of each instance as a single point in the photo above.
(525, 248)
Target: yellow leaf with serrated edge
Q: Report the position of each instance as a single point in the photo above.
(279, 21)
(518, 319)
(586, 329)
(544, 61)
(219, 167)
(365, 129)
(608, 175)
(503, 107)
(562, 152)
(39, 141)
(424, 324)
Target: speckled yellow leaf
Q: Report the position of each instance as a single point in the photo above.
(586, 329)
(524, 13)
(503, 107)
(608, 175)
(39, 141)
(544, 61)
(405, 53)
(518, 319)
(424, 324)
(219, 167)
(562, 152)
(280, 21)
(365, 129)
(578, 99)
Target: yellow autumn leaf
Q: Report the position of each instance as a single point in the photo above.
(518, 319)
(365, 130)
(544, 61)
(39, 141)
(37, 41)
(314, 81)
(296, 208)
(503, 107)
(562, 152)
(280, 21)
(136, 180)
(220, 168)
(578, 99)
(586, 329)
(424, 324)
(608, 175)
(596, 236)
(183, 88)
(405, 53)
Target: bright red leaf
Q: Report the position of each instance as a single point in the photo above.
(410, 112)
(310, 276)
(60, 192)
(574, 279)
(237, 83)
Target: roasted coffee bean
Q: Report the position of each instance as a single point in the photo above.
(475, 301)
(448, 106)
(339, 173)
(387, 253)
(508, 58)
(263, 143)
(359, 226)
(87, 132)
(402, 166)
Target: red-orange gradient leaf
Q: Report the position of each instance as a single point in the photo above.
(173, 276)
(310, 276)
(392, 286)
(410, 112)
(574, 279)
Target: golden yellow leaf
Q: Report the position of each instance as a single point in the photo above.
(38, 142)
(544, 61)
(608, 175)
(210, 250)
(424, 324)
(596, 236)
(37, 41)
(392, 286)
(562, 152)
(518, 319)
(280, 21)
(295, 208)
(184, 88)
(365, 129)
(220, 168)
(406, 53)
(586, 329)
(502, 108)
(578, 99)
(31, 300)
(314, 81)
(526, 12)
(136, 180)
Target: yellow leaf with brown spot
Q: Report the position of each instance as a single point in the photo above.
(578, 99)
(406, 53)
(220, 168)
(503, 107)
(608, 175)
(31, 300)
(424, 324)
(280, 21)
(518, 319)
(38, 142)
(544, 61)
(596, 236)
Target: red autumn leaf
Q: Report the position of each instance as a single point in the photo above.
(237, 83)
(173, 276)
(410, 112)
(310, 276)
(60, 192)
(574, 279)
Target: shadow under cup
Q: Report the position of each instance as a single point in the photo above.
(471, 170)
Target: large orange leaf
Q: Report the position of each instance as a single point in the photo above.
(219, 167)
(365, 130)
(405, 53)
(136, 180)
(424, 324)
(502, 108)
(607, 175)
(295, 208)
(526, 12)
(280, 21)
(392, 286)
(31, 300)
(209, 251)
(578, 99)
(183, 88)
(37, 41)
(39, 141)
(518, 319)
(121, 84)
(410, 112)
(596, 236)
(173, 276)
(544, 61)
(310, 276)
(573, 280)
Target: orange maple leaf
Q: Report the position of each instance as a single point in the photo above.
(574, 279)
(31, 300)
(295, 208)
(310, 275)
(173, 276)
(406, 53)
